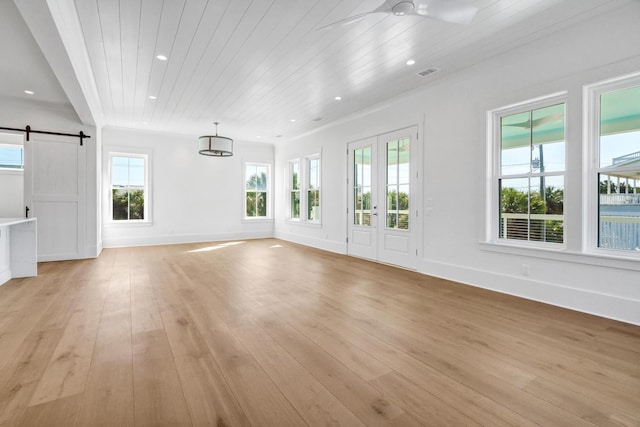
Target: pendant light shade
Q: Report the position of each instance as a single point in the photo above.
(214, 145)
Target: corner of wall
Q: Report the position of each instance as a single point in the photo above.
(326, 245)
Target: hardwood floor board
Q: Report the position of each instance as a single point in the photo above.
(587, 408)
(312, 401)
(463, 368)
(500, 339)
(19, 380)
(472, 403)
(266, 332)
(19, 324)
(260, 398)
(554, 359)
(108, 395)
(363, 364)
(610, 375)
(208, 396)
(145, 313)
(421, 404)
(370, 406)
(67, 371)
(108, 398)
(157, 391)
(14, 398)
(56, 413)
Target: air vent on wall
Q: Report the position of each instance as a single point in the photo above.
(428, 71)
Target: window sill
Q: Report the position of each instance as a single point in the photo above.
(11, 171)
(127, 224)
(608, 259)
(256, 220)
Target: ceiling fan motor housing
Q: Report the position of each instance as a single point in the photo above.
(403, 8)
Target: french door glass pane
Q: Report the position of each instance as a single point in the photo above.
(362, 186)
(398, 176)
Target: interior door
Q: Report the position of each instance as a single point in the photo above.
(54, 187)
(383, 203)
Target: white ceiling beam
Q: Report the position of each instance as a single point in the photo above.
(56, 28)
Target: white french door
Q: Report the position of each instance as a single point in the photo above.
(383, 203)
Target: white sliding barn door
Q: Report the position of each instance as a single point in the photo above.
(54, 189)
(383, 198)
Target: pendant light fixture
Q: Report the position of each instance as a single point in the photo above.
(214, 145)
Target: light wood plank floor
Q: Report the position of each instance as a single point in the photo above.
(268, 333)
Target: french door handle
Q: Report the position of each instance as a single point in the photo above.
(26, 211)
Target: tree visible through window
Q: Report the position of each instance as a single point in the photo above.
(313, 189)
(531, 174)
(256, 190)
(128, 188)
(398, 184)
(294, 190)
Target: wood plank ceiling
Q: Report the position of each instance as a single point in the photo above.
(262, 69)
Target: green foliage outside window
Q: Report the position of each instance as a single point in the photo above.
(256, 193)
(128, 204)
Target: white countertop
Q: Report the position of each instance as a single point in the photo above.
(11, 221)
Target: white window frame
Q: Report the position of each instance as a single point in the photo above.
(290, 189)
(591, 163)
(303, 181)
(108, 211)
(307, 179)
(494, 173)
(269, 215)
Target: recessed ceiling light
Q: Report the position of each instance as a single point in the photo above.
(152, 97)
(145, 123)
(338, 98)
(28, 92)
(293, 120)
(411, 62)
(161, 57)
(258, 136)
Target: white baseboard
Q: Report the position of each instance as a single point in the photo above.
(609, 306)
(94, 251)
(5, 276)
(173, 239)
(324, 244)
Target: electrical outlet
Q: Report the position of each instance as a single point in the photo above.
(525, 269)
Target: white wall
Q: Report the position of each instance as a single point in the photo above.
(5, 260)
(195, 198)
(453, 114)
(11, 182)
(11, 193)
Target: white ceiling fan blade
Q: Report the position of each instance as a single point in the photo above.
(345, 21)
(456, 12)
